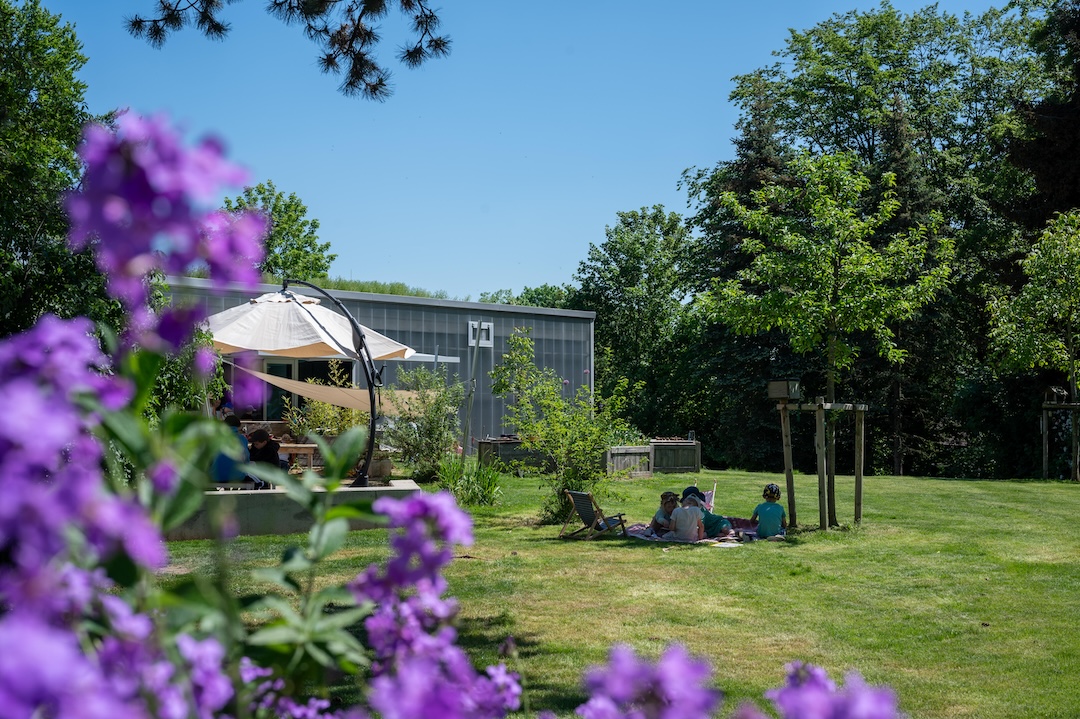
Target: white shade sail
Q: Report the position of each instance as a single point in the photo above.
(290, 324)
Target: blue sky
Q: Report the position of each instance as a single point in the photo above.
(493, 168)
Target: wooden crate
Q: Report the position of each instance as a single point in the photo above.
(508, 451)
(676, 455)
(633, 461)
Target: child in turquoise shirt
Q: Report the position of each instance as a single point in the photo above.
(769, 515)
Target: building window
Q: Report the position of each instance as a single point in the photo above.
(480, 334)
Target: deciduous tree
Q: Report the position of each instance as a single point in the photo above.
(816, 274)
(292, 243)
(636, 283)
(42, 111)
(1040, 326)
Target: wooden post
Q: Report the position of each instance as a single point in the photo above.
(1046, 442)
(860, 416)
(785, 427)
(819, 445)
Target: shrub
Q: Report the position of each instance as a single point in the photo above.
(573, 432)
(471, 484)
(425, 422)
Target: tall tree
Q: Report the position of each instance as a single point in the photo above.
(1040, 326)
(943, 91)
(1051, 144)
(292, 243)
(816, 275)
(42, 112)
(546, 295)
(761, 159)
(347, 32)
(636, 284)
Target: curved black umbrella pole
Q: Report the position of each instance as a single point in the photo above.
(372, 377)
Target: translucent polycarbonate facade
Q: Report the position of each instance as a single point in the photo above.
(467, 339)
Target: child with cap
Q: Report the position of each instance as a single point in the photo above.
(715, 525)
(769, 515)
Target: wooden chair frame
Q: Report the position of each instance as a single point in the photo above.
(590, 514)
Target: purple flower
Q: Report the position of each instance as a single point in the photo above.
(44, 672)
(810, 694)
(632, 687)
(141, 204)
(211, 687)
(247, 389)
(163, 476)
(205, 362)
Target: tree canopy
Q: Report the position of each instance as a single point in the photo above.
(293, 249)
(42, 112)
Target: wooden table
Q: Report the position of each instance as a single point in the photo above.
(299, 450)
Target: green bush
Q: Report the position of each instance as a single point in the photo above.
(425, 406)
(471, 484)
(574, 432)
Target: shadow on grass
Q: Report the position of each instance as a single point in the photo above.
(482, 636)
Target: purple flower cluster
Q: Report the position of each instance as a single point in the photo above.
(143, 675)
(419, 671)
(810, 694)
(266, 695)
(631, 688)
(50, 468)
(141, 205)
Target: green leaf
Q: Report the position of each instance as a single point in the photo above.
(277, 576)
(327, 538)
(121, 569)
(342, 619)
(346, 452)
(357, 509)
(277, 634)
(186, 500)
(294, 559)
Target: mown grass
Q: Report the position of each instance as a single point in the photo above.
(962, 595)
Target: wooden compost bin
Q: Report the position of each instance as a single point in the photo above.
(506, 451)
(669, 455)
(635, 461)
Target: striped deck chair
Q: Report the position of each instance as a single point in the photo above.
(590, 514)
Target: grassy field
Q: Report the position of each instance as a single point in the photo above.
(962, 595)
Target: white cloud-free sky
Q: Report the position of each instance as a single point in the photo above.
(492, 168)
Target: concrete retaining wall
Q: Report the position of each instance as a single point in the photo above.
(270, 511)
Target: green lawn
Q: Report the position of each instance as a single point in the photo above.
(962, 595)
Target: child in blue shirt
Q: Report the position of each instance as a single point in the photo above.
(769, 515)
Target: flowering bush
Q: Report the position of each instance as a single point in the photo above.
(89, 485)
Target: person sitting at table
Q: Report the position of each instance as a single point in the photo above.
(265, 448)
(226, 468)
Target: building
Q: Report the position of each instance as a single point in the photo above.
(466, 338)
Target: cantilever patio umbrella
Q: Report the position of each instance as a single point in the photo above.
(290, 324)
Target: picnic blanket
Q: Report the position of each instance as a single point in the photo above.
(642, 531)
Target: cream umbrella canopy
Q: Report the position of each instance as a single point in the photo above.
(290, 324)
